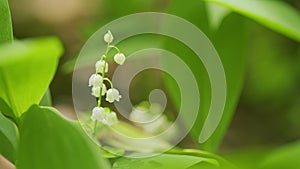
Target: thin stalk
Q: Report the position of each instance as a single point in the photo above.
(100, 98)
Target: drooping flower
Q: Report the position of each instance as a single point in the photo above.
(119, 58)
(104, 116)
(112, 95)
(98, 113)
(110, 118)
(100, 66)
(95, 80)
(96, 90)
(108, 37)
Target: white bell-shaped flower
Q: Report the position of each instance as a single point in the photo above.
(111, 118)
(95, 80)
(112, 95)
(98, 113)
(96, 90)
(104, 116)
(100, 66)
(119, 58)
(108, 37)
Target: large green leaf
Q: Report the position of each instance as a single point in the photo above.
(216, 15)
(8, 138)
(26, 70)
(47, 99)
(49, 141)
(163, 161)
(274, 14)
(176, 158)
(233, 57)
(6, 33)
(222, 163)
(229, 43)
(247, 158)
(284, 157)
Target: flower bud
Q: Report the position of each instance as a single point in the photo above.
(112, 95)
(96, 91)
(108, 37)
(100, 66)
(111, 118)
(98, 113)
(95, 80)
(119, 58)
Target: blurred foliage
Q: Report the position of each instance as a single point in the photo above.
(268, 111)
(6, 34)
(232, 55)
(274, 14)
(26, 57)
(63, 144)
(163, 162)
(8, 138)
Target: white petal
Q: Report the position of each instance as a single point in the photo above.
(93, 117)
(98, 80)
(109, 96)
(111, 118)
(104, 90)
(97, 114)
(92, 79)
(108, 37)
(96, 91)
(100, 65)
(119, 58)
(116, 94)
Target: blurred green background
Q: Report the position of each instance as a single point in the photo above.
(268, 113)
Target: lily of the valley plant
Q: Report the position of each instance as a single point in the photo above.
(99, 89)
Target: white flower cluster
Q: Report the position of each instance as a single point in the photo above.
(104, 116)
(99, 89)
(149, 118)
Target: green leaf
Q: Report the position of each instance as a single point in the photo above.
(46, 100)
(276, 15)
(284, 157)
(163, 161)
(244, 158)
(26, 70)
(6, 33)
(231, 52)
(5, 109)
(222, 163)
(233, 57)
(49, 141)
(8, 138)
(216, 15)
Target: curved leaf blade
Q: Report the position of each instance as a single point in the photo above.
(232, 54)
(163, 161)
(47, 99)
(49, 141)
(284, 157)
(6, 33)
(8, 138)
(276, 15)
(233, 57)
(26, 70)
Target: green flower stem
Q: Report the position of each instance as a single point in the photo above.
(112, 46)
(95, 128)
(103, 75)
(109, 81)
